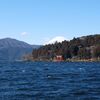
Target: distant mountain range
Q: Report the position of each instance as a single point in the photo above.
(12, 49)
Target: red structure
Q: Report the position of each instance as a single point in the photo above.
(58, 58)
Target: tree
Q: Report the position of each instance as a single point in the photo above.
(96, 51)
(84, 53)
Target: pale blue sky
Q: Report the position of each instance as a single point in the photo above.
(37, 21)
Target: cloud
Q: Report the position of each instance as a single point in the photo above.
(24, 33)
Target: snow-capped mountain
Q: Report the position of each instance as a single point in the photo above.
(55, 39)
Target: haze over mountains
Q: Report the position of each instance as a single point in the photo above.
(12, 49)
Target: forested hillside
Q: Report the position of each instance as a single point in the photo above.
(86, 47)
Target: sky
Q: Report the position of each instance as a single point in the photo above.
(38, 21)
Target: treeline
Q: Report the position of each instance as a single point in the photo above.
(86, 47)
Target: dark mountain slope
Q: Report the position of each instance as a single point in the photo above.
(12, 49)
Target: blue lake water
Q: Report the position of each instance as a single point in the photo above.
(49, 81)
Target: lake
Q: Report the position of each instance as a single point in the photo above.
(49, 81)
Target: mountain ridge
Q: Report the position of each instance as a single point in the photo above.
(13, 49)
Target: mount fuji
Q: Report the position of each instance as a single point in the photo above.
(55, 39)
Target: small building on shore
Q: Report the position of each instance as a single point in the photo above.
(58, 58)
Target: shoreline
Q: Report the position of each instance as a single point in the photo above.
(67, 60)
